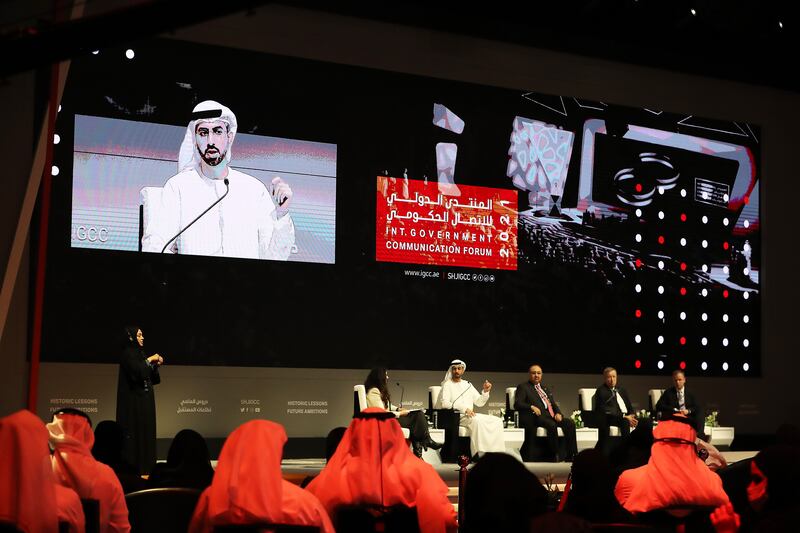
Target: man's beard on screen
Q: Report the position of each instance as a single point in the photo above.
(211, 159)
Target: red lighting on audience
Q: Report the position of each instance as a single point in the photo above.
(682, 365)
(683, 340)
(637, 364)
(683, 217)
(683, 291)
(660, 239)
(638, 313)
(683, 266)
(725, 245)
(725, 293)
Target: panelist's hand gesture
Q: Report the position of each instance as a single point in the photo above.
(281, 195)
(469, 412)
(536, 410)
(156, 360)
(487, 386)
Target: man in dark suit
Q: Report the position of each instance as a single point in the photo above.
(536, 407)
(612, 406)
(677, 399)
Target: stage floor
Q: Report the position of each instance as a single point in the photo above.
(296, 470)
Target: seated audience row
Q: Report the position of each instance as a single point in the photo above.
(31, 499)
(373, 481)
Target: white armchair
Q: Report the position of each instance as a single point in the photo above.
(434, 397)
(150, 203)
(585, 397)
(510, 397)
(360, 403)
(655, 395)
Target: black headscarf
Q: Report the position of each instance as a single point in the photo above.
(781, 466)
(502, 495)
(592, 494)
(188, 463)
(129, 338)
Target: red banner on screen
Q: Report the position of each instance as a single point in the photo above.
(419, 223)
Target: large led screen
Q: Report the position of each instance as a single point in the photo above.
(429, 219)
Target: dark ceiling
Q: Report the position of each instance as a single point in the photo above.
(742, 40)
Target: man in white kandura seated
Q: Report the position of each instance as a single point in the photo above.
(486, 431)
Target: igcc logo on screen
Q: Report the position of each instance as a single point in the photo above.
(91, 234)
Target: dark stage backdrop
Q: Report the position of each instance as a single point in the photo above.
(432, 218)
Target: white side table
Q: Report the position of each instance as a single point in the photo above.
(719, 436)
(430, 455)
(513, 438)
(586, 438)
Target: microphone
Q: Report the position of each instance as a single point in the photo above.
(402, 392)
(227, 190)
(462, 394)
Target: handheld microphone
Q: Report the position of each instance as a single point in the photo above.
(402, 392)
(227, 190)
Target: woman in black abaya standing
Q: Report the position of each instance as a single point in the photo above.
(136, 403)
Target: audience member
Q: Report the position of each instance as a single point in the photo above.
(501, 495)
(71, 438)
(188, 463)
(713, 458)
(788, 434)
(735, 479)
(677, 399)
(774, 490)
(561, 522)
(332, 441)
(675, 476)
(373, 467)
(591, 496)
(248, 487)
(30, 498)
(634, 451)
(109, 442)
(537, 408)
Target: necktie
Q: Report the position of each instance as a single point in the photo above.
(681, 401)
(543, 396)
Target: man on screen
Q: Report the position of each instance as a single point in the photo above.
(246, 219)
